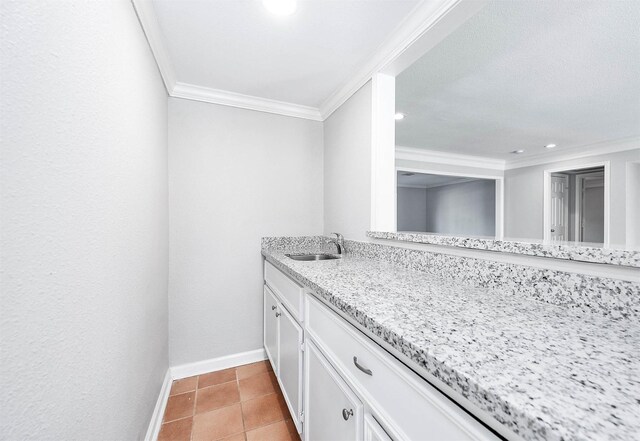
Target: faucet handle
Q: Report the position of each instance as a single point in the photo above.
(339, 236)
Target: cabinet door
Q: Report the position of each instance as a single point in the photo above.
(271, 328)
(373, 431)
(332, 411)
(290, 364)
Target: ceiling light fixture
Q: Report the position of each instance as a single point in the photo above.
(550, 146)
(517, 152)
(281, 8)
(399, 116)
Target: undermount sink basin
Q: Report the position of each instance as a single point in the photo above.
(313, 256)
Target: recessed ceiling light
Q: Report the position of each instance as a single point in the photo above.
(280, 7)
(550, 146)
(398, 116)
(517, 152)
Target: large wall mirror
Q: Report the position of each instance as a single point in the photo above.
(524, 124)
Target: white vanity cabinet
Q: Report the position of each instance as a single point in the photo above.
(406, 407)
(271, 328)
(284, 336)
(373, 431)
(332, 411)
(291, 358)
(340, 385)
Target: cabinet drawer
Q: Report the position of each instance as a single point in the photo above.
(290, 292)
(408, 406)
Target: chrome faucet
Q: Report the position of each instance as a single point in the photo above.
(338, 241)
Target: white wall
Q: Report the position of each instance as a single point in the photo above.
(347, 167)
(234, 176)
(463, 209)
(83, 197)
(412, 209)
(523, 195)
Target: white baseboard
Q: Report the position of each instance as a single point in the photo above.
(215, 364)
(189, 370)
(158, 411)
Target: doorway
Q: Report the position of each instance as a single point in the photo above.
(576, 204)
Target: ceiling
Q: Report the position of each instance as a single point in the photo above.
(520, 75)
(425, 180)
(238, 46)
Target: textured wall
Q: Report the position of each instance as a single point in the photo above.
(235, 175)
(83, 197)
(347, 167)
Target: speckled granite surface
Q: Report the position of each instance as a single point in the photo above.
(610, 297)
(567, 252)
(544, 371)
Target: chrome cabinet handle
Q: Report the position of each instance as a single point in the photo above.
(347, 413)
(362, 368)
(278, 314)
(273, 307)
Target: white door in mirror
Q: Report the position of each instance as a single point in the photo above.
(559, 207)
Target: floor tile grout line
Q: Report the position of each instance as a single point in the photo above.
(194, 409)
(217, 384)
(176, 419)
(244, 429)
(284, 418)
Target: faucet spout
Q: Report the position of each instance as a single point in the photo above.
(338, 241)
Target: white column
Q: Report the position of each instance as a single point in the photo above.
(383, 174)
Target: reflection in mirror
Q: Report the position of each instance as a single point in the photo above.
(542, 99)
(575, 205)
(446, 204)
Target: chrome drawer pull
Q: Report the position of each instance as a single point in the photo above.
(362, 368)
(347, 413)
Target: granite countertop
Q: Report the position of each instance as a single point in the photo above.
(544, 371)
(562, 250)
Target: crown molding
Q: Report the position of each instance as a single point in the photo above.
(568, 154)
(151, 29)
(578, 152)
(435, 157)
(226, 98)
(419, 21)
(452, 182)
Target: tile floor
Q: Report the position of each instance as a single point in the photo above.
(236, 404)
